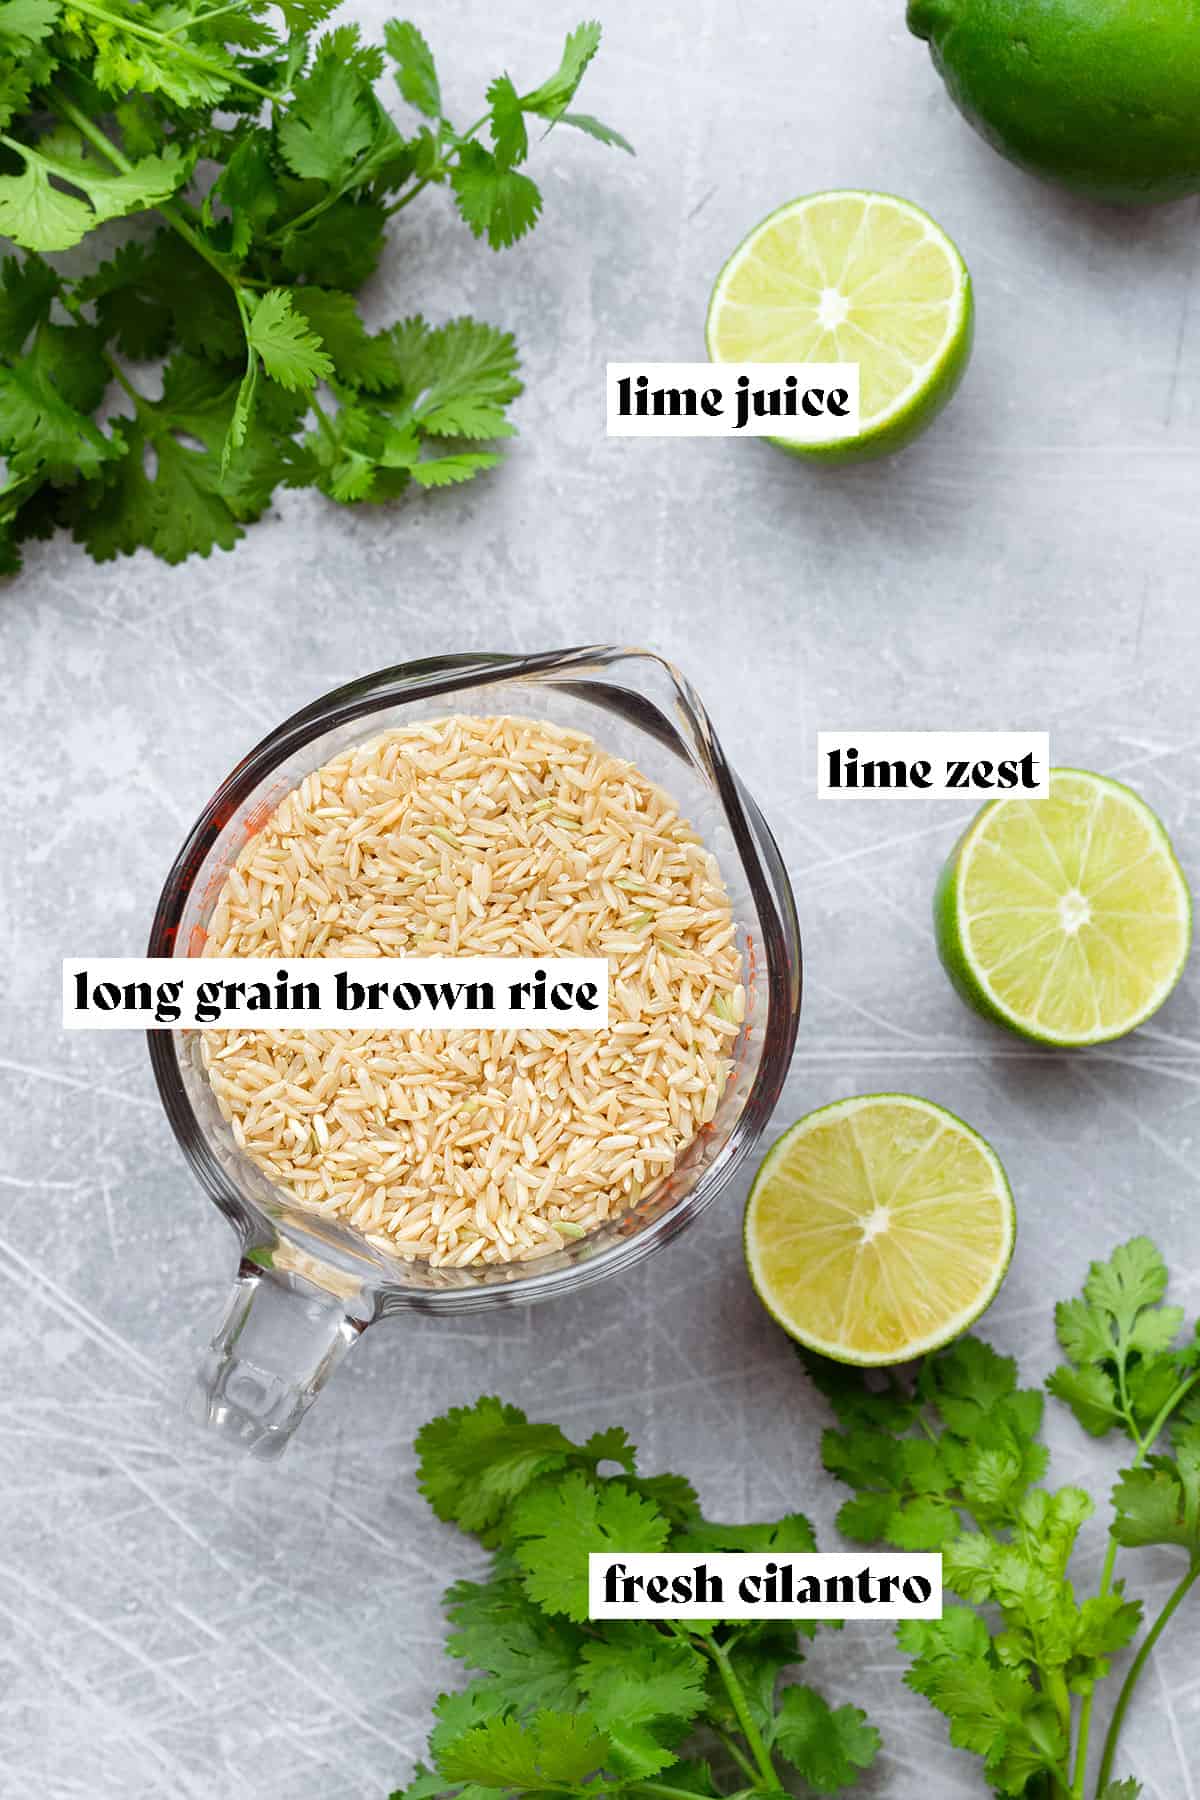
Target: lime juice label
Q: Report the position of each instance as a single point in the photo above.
(813, 402)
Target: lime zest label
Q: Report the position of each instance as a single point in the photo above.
(940, 765)
(807, 402)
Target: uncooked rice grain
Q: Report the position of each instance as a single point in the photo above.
(487, 837)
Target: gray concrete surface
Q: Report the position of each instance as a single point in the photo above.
(175, 1623)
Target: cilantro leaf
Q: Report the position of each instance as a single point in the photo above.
(793, 1534)
(359, 360)
(1134, 1277)
(148, 62)
(458, 378)
(131, 307)
(1107, 1623)
(551, 99)
(330, 122)
(612, 1445)
(529, 1657)
(449, 471)
(643, 1690)
(1091, 1393)
(1118, 1338)
(457, 1713)
(46, 398)
(671, 1495)
(415, 73)
(498, 203)
(595, 128)
(26, 62)
(149, 294)
(1160, 1502)
(187, 506)
(38, 216)
(362, 455)
(829, 1749)
(291, 353)
(24, 23)
(555, 1749)
(556, 1524)
(305, 15)
(474, 1461)
(510, 140)
(247, 188)
(995, 1713)
(340, 247)
(27, 291)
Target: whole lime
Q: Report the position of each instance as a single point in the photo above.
(1101, 95)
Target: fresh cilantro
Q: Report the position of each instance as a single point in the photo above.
(1118, 1337)
(644, 1690)
(497, 202)
(185, 506)
(1159, 1503)
(291, 353)
(416, 72)
(952, 1461)
(554, 1750)
(828, 1748)
(531, 1659)
(575, 1510)
(37, 215)
(573, 1706)
(107, 111)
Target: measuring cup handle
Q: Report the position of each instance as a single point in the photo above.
(279, 1342)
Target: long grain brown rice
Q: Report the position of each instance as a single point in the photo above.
(487, 837)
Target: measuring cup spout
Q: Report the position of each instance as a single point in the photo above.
(279, 1342)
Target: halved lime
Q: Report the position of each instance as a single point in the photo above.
(851, 276)
(879, 1228)
(1068, 918)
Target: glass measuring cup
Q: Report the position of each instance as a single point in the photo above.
(306, 1286)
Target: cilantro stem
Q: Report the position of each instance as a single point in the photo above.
(1167, 1409)
(1144, 1446)
(203, 18)
(737, 1699)
(436, 174)
(224, 71)
(661, 1788)
(166, 210)
(743, 1762)
(323, 420)
(122, 380)
(1176, 1598)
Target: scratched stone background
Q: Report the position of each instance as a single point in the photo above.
(178, 1623)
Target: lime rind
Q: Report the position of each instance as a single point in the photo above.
(948, 1329)
(971, 982)
(934, 382)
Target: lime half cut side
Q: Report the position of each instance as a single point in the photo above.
(851, 276)
(879, 1228)
(1067, 918)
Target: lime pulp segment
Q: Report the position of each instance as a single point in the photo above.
(879, 1228)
